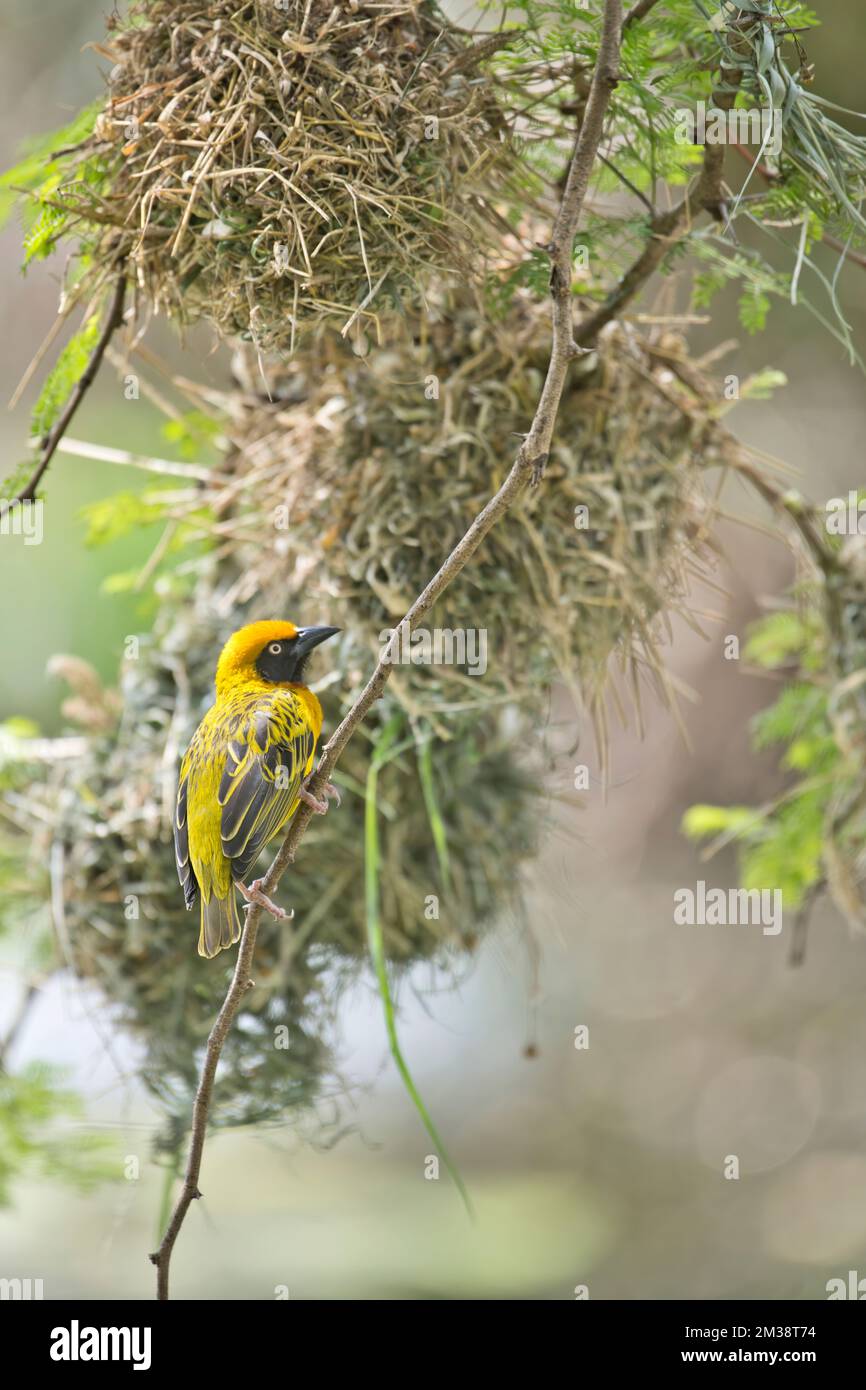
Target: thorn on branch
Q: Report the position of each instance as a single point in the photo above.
(539, 463)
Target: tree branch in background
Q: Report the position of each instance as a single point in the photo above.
(526, 469)
(784, 502)
(638, 11)
(19, 1018)
(85, 381)
(668, 228)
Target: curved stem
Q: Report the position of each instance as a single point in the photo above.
(79, 391)
(526, 469)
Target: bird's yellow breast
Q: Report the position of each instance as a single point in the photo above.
(239, 716)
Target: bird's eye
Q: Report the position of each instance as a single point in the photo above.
(275, 648)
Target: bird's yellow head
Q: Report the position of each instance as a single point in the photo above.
(275, 652)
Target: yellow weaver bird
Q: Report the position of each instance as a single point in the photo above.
(243, 774)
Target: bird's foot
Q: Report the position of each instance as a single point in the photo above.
(254, 894)
(320, 807)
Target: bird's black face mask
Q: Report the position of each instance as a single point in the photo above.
(285, 659)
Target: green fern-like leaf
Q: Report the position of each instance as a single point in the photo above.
(753, 307)
(800, 709)
(40, 167)
(66, 373)
(788, 855)
(113, 517)
(778, 638)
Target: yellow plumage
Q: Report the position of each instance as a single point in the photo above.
(242, 776)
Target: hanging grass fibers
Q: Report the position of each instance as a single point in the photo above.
(359, 482)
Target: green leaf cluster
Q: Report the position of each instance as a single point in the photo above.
(782, 845)
(64, 375)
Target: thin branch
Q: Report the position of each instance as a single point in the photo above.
(28, 999)
(785, 503)
(633, 188)
(480, 51)
(800, 930)
(668, 228)
(638, 11)
(52, 441)
(241, 982)
(198, 472)
(527, 469)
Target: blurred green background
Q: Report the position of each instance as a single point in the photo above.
(600, 1167)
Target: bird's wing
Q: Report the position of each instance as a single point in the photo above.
(266, 762)
(188, 881)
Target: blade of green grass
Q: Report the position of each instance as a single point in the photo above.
(381, 755)
(431, 801)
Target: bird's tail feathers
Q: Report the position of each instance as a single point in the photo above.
(220, 924)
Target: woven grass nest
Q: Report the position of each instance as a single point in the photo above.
(355, 485)
(270, 166)
(111, 811)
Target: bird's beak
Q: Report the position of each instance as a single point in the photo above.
(310, 637)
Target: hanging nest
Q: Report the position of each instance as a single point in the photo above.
(270, 166)
(457, 825)
(356, 484)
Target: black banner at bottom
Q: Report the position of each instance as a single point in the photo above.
(85, 1339)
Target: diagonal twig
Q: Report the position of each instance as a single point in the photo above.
(668, 228)
(638, 11)
(526, 470)
(52, 440)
